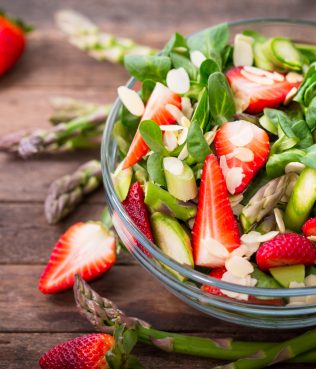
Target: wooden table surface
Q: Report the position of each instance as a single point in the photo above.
(31, 323)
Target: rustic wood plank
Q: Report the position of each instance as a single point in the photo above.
(28, 348)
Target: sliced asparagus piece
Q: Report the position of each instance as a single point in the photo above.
(122, 180)
(67, 192)
(160, 200)
(84, 34)
(263, 201)
(103, 314)
(301, 200)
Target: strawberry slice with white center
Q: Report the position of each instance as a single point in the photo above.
(243, 149)
(155, 110)
(215, 231)
(87, 249)
(258, 91)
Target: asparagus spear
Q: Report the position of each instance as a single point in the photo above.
(84, 34)
(67, 192)
(67, 108)
(80, 132)
(105, 315)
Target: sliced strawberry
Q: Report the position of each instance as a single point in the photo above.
(258, 95)
(135, 207)
(155, 110)
(286, 249)
(242, 145)
(87, 249)
(218, 274)
(85, 352)
(309, 228)
(215, 225)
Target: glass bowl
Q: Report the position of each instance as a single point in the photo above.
(166, 269)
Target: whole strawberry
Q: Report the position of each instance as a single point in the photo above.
(12, 42)
(286, 249)
(86, 352)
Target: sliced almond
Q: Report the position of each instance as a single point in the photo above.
(223, 165)
(279, 220)
(310, 299)
(216, 248)
(312, 238)
(185, 122)
(278, 77)
(294, 77)
(244, 137)
(239, 266)
(131, 100)
(183, 136)
(295, 284)
(234, 177)
(254, 237)
(171, 128)
(310, 281)
(209, 137)
(241, 100)
(240, 251)
(170, 140)
(230, 278)
(175, 112)
(212, 251)
(191, 223)
(197, 58)
(237, 209)
(254, 70)
(186, 106)
(184, 153)
(289, 97)
(295, 167)
(178, 81)
(235, 199)
(260, 80)
(173, 165)
(243, 53)
(243, 154)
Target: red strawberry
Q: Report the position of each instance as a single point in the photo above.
(86, 352)
(214, 222)
(12, 43)
(135, 207)
(218, 274)
(286, 249)
(155, 110)
(309, 228)
(87, 249)
(242, 145)
(258, 95)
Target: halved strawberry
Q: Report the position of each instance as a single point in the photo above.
(286, 249)
(87, 249)
(135, 207)
(155, 110)
(309, 227)
(83, 352)
(215, 226)
(241, 145)
(258, 92)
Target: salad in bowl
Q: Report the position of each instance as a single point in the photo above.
(217, 165)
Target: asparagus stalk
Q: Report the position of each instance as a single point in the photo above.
(67, 108)
(86, 35)
(104, 315)
(162, 201)
(81, 132)
(278, 353)
(67, 192)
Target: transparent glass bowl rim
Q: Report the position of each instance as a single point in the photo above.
(188, 272)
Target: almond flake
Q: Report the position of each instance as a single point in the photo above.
(186, 106)
(293, 77)
(290, 95)
(170, 140)
(191, 223)
(197, 58)
(243, 53)
(295, 167)
(312, 238)
(242, 250)
(213, 253)
(310, 281)
(131, 100)
(223, 165)
(234, 177)
(238, 266)
(185, 122)
(294, 284)
(310, 299)
(175, 112)
(183, 136)
(171, 128)
(278, 77)
(184, 153)
(257, 79)
(235, 199)
(209, 137)
(237, 209)
(279, 220)
(254, 70)
(178, 81)
(243, 154)
(173, 165)
(254, 237)
(230, 278)
(216, 248)
(241, 100)
(245, 136)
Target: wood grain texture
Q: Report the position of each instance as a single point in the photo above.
(31, 323)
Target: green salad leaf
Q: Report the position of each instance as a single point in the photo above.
(152, 135)
(310, 115)
(147, 88)
(196, 143)
(208, 67)
(179, 60)
(148, 67)
(176, 41)
(221, 100)
(155, 169)
(277, 162)
(128, 119)
(303, 132)
(201, 112)
(309, 159)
